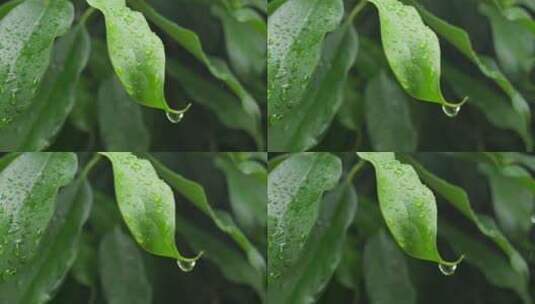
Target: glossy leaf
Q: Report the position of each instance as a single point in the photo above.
(229, 260)
(412, 50)
(136, 53)
(28, 189)
(295, 188)
(191, 42)
(40, 278)
(295, 34)
(408, 206)
(456, 196)
(195, 193)
(304, 281)
(122, 273)
(147, 205)
(460, 39)
(27, 33)
(386, 272)
(35, 129)
(302, 128)
(120, 119)
(388, 116)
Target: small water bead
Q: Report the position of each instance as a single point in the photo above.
(447, 270)
(533, 219)
(186, 265)
(175, 117)
(451, 111)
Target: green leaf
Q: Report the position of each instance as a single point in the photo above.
(386, 272)
(41, 276)
(295, 35)
(303, 127)
(122, 273)
(27, 33)
(460, 39)
(85, 267)
(120, 119)
(304, 281)
(295, 188)
(388, 116)
(191, 42)
(137, 54)
(351, 112)
(7, 159)
(495, 267)
(227, 108)
(35, 129)
(147, 205)
(513, 202)
(408, 207)
(456, 196)
(246, 45)
(229, 260)
(514, 44)
(28, 188)
(195, 193)
(412, 50)
(247, 186)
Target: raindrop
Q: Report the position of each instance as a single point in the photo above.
(186, 265)
(533, 219)
(447, 270)
(175, 117)
(451, 111)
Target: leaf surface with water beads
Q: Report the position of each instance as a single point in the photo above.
(34, 129)
(295, 35)
(413, 52)
(41, 277)
(122, 273)
(27, 33)
(28, 188)
(136, 53)
(408, 207)
(147, 204)
(295, 188)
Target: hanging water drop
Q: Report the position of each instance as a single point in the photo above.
(175, 117)
(533, 219)
(447, 270)
(451, 111)
(186, 265)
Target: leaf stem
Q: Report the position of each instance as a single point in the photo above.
(91, 164)
(355, 170)
(88, 12)
(356, 10)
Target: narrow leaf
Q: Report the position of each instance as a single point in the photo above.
(295, 35)
(28, 188)
(27, 33)
(137, 54)
(38, 281)
(147, 205)
(304, 281)
(408, 207)
(295, 188)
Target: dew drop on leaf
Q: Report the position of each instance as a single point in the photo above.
(174, 117)
(451, 111)
(447, 270)
(186, 265)
(533, 219)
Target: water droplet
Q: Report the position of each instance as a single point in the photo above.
(447, 270)
(186, 265)
(174, 117)
(451, 111)
(533, 219)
